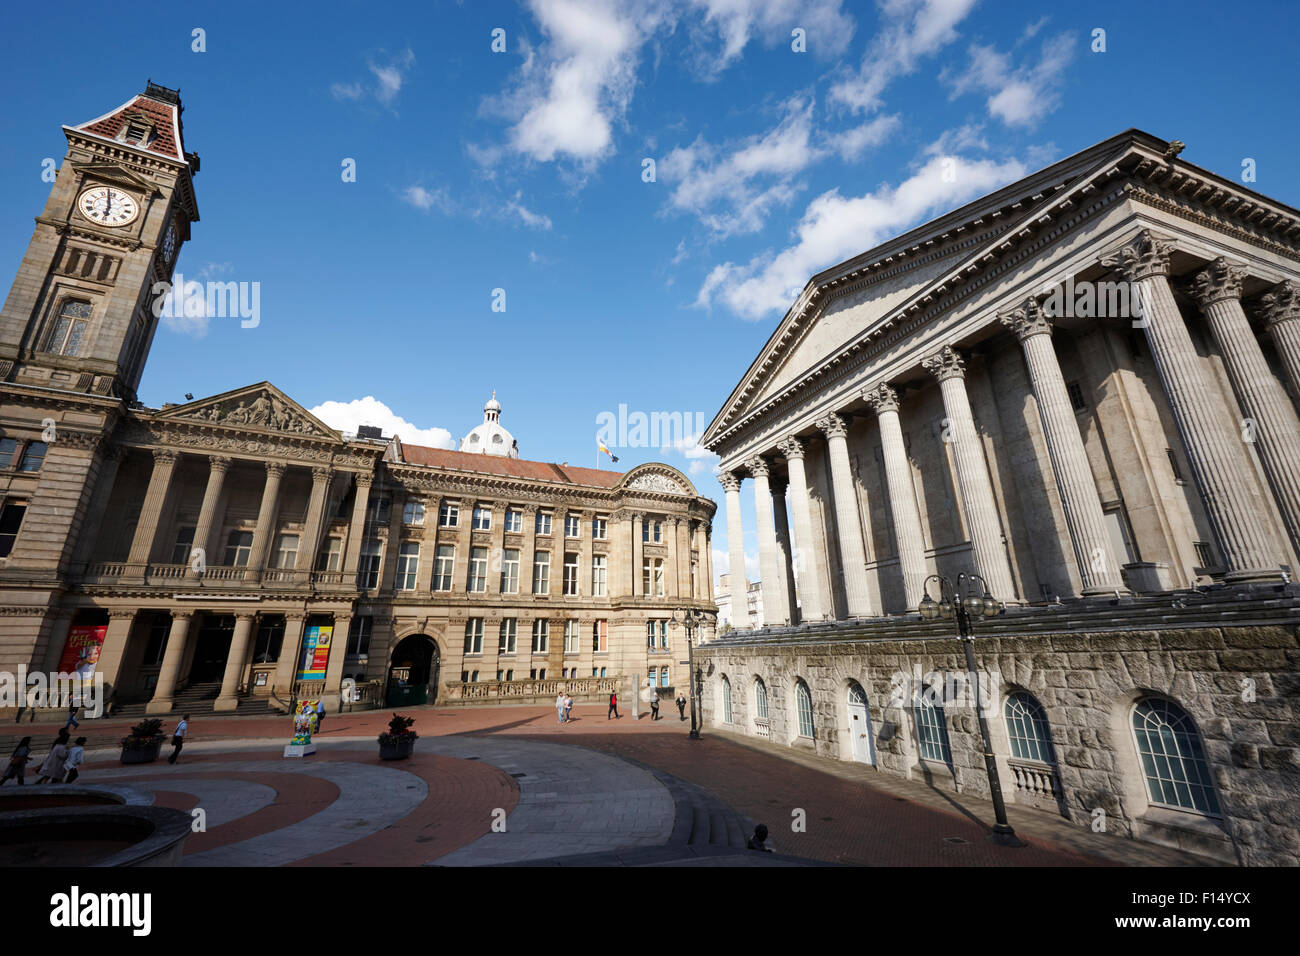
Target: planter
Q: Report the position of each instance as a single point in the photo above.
(145, 754)
(396, 748)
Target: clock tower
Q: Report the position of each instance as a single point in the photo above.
(79, 316)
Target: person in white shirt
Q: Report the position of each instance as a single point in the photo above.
(76, 754)
(559, 707)
(178, 737)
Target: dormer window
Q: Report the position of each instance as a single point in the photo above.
(136, 131)
(69, 328)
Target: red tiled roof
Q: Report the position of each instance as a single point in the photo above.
(510, 467)
(164, 116)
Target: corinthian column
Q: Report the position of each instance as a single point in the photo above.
(809, 582)
(1098, 569)
(146, 528)
(177, 640)
(217, 468)
(902, 494)
(775, 611)
(1276, 432)
(735, 547)
(1213, 450)
(265, 529)
(321, 477)
(784, 552)
(1280, 310)
(228, 699)
(853, 554)
(981, 506)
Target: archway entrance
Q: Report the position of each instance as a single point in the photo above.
(862, 746)
(211, 648)
(413, 673)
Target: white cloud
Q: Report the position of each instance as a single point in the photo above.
(1018, 96)
(347, 416)
(389, 78)
(852, 144)
(835, 228)
(426, 199)
(735, 23)
(531, 219)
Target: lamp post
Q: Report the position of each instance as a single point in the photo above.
(963, 602)
(691, 619)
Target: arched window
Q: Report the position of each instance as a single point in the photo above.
(803, 700)
(726, 700)
(931, 732)
(1027, 728)
(1173, 760)
(69, 328)
(857, 695)
(760, 699)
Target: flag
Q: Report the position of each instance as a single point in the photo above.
(601, 445)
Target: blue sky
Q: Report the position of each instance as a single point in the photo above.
(524, 171)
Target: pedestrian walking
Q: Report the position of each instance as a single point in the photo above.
(568, 708)
(72, 723)
(613, 705)
(33, 701)
(18, 762)
(52, 768)
(320, 714)
(559, 707)
(178, 737)
(681, 705)
(759, 840)
(654, 707)
(71, 765)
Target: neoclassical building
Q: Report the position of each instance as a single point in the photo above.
(1082, 388)
(235, 549)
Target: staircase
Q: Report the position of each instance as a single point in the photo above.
(200, 699)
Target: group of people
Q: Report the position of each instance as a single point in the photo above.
(563, 707)
(61, 765)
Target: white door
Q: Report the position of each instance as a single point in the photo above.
(860, 726)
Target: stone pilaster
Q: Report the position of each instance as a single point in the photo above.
(357, 529)
(638, 554)
(218, 466)
(908, 535)
(706, 558)
(104, 480)
(309, 546)
(120, 621)
(735, 550)
(1280, 310)
(1270, 417)
(177, 641)
(683, 534)
(1098, 569)
(985, 527)
(155, 496)
(808, 584)
(775, 611)
(236, 660)
(264, 532)
(1213, 451)
(848, 524)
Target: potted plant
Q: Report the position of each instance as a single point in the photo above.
(399, 740)
(145, 741)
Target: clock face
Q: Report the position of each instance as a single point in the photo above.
(108, 206)
(169, 243)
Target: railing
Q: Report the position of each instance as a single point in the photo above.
(110, 572)
(590, 687)
(1035, 779)
(762, 727)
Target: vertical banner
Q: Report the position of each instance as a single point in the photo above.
(81, 653)
(316, 652)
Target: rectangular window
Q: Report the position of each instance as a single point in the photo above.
(69, 328)
(448, 514)
(286, 553)
(656, 635)
(270, 639)
(599, 574)
(371, 556)
(477, 570)
(571, 637)
(377, 511)
(33, 456)
(1204, 554)
(11, 519)
(652, 531)
(1077, 401)
(509, 635)
(359, 636)
(408, 562)
(572, 526)
(570, 574)
(183, 547)
(331, 553)
(482, 518)
(652, 577)
(543, 523)
(1173, 463)
(413, 513)
(695, 587)
(600, 528)
(541, 635)
(238, 547)
(510, 571)
(600, 636)
(514, 520)
(474, 635)
(444, 566)
(542, 572)
(8, 448)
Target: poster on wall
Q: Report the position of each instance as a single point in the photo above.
(81, 653)
(316, 652)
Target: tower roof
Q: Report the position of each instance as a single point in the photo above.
(149, 121)
(490, 438)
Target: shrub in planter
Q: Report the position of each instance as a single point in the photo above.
(144, 742)
(398, 741)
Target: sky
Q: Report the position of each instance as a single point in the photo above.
(588, 206)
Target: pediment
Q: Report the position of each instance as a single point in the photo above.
(658, 479)
(261, 407)
(112, 172)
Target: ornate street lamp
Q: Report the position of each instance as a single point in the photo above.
(965, 602)
(691, 619)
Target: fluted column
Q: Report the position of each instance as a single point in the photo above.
(1280, 310)
(808, 581)
(309, 546)
(735, 548)
(848, 525)
(217, 468)
(177, 640)
(1276, 431)
(265, 529)
(94, 517)
(784, 548)
(991, 562)
(1098, 569)
(775, 611)
(683, 529)
(638, 523)
(1213, 450)
(357, 530)
(155, 496)
(228, 699)
(909, 537)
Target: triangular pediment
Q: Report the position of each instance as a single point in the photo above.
(112, 172)
(261, 407)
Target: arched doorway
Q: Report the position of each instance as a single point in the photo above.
(413, 672)
(860, 738)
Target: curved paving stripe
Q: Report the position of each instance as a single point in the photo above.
(222, 799)
(571, 800)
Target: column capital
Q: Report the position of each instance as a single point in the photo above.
(275, 469)
(122, 613)
(295, 616)
(1147, 254)
(219, 463)
(790, 448)
(882, 398)
(321, 473)
(364, 479)
(1280, 303)
(945, 364)
(245, 615)
(1026, 320)
(833, 425)
(729, 481)
(1219, 280)
(165, 456)
(758, 467)
(183, 614)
